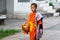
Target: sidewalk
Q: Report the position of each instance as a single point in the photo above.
(49, 34)
(48, 22)
(16, 24)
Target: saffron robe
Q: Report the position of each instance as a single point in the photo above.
(33, 18)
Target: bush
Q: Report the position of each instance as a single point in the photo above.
(50, 4)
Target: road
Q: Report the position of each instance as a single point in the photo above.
(51, 30)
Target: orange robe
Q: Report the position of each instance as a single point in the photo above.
(32, 20)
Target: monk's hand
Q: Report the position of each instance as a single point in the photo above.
(37, 30)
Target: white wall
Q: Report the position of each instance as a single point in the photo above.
(21, 6)
(21, 9)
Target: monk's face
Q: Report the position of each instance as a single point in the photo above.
(33, 8)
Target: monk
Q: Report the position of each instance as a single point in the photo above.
(35, 23)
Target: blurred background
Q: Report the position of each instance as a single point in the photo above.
(13, 13)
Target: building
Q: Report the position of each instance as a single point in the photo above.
(19, 8)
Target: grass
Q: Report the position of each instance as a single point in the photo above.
(8, 32)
